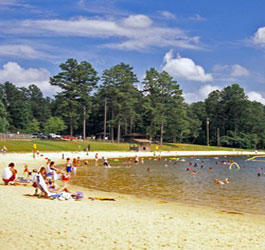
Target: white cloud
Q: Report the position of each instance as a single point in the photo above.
(167, 14)
(197, 18)
(22, 77)
(22, 51)
(259, 37)
(185, 68)
(201, 94)
(255, 96)
(137, 21)
(134, 32)
(238, 70)
(234, 70)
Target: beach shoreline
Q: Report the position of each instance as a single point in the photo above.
(127, 223)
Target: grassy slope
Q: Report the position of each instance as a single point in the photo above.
(53, 146)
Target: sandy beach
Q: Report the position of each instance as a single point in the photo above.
(127, 223)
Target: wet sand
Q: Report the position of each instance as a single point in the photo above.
(127, 223)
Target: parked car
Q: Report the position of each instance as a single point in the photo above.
(68, 137)
(54, 136)
(43, 136)
(34, 136)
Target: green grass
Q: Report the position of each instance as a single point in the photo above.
(55, 146)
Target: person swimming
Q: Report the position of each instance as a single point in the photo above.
(218, 182)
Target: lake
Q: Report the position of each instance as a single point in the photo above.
(169, 180)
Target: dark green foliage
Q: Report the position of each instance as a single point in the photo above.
(156, 109)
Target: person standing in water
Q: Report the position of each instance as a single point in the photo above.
(68, 165)
(96, 159)
(105, 162)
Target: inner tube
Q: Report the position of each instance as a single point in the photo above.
(234, 164)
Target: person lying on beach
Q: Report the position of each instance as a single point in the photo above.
(9, 173)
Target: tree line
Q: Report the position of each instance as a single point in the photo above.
(113, 104)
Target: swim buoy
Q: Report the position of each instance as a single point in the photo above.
(234, 163)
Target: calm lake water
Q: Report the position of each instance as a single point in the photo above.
(168, 180)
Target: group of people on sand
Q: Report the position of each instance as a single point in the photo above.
(49, 180)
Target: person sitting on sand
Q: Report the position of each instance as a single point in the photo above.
(26, 169)
(41, 182)
(51, 172)
(9, 173)
(34, 180)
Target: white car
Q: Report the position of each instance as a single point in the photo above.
(54, 136)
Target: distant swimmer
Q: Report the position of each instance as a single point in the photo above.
(227, 180)
(148, 169)
(190, 164)
(194, 172)
(187, 169)
(211, 169)
(195, 165)
(218, 182)
(201, 166)
(136, 159)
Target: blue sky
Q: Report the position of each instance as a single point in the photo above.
(205, 45)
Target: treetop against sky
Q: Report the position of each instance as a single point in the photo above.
(205, 45)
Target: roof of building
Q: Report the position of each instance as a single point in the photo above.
(143, 140)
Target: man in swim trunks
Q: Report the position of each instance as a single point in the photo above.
(9, 173)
